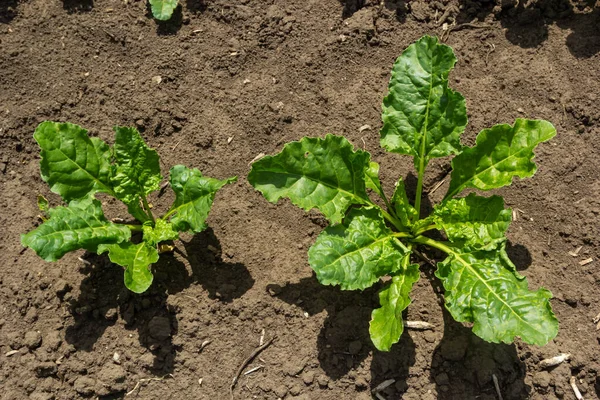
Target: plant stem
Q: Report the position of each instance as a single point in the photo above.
(134, 227)
(433, 243)
(147, 208)
(419, 192)
(393, 220)
(425, 229)
(169, 213)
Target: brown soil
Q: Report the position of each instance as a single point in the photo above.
(264, 73)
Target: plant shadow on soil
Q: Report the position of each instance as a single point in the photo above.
(344, 341)
(8, 10)
(527, 26)
(74, 6)
(103, 297)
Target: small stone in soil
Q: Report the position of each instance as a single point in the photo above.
(32, 340)
(361, 383)
(53, 340)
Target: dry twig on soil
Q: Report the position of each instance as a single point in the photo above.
(247, 361)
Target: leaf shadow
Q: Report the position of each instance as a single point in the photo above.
(398, 6)
(519, 255)
(344, 341)
(75, 6)
(196, 6)
(103, 300)
(526, 23)
(8, 10)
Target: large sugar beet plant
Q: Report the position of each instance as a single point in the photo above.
(77, 166)
(422, 118)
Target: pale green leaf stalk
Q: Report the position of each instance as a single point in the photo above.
(77, 167)
(163, 9)
(423, 118)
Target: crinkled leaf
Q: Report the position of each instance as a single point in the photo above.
(357, 252)
(81, 225)
(481, 288)
(194, 195)
(421, 116)
(500, 153)
(162, 231)
(386, 325)
(163, 9)
(402, 207)
(136, 259)
(42, 203)
(136, 171)
(372, 179)
(478, 222)
(73, 164)
(326, 174)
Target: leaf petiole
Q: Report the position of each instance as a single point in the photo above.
(424, 229)
(147, 208)
(137, 228)
(433, 243)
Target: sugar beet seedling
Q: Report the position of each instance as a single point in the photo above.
(77, 166)
(422, 118)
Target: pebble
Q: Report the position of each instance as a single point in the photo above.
(156, 79)
(32, 315)
(32, 340)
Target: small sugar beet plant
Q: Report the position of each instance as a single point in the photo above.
(77, 166)
(422, 118)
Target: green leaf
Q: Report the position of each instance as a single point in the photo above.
(402, 207)
(326, 174)
(372, 179)
(42, 203)
(478, 222)
(356, 253)
(136, 259)
(162, 231)
(421, 116)
(386, 325)
(163, 9)
(73, 164)
(137, 169)
(481, 288)
(81, 225)
(500, 153)
(194, 195)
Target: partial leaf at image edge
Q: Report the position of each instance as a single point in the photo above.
(387, 325)
(73, 164)
(421, 116)
(163, 9)
(326, 174)
(136, 259)
(81, 225)
(356, 253)
(194, 195)
(500, 153)
(475, 221)
(136, 171)
(482, 289)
